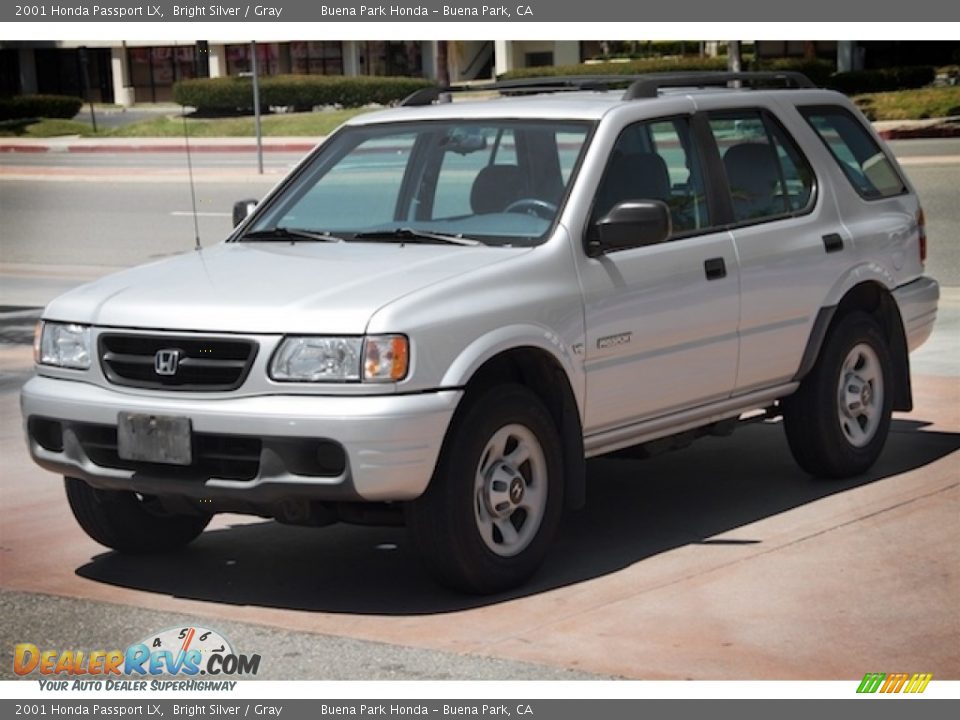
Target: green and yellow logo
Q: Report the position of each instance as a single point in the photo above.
(894, 683)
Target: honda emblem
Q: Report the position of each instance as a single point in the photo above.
(166, 362)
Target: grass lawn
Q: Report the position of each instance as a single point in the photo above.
(911, 104)
(44, 128)
(288, 124)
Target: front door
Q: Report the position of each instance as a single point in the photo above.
(661, 320)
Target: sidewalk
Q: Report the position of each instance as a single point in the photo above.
(75, 144)
(948, 127)
(888, 129)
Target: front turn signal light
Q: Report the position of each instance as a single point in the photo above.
(386, 358)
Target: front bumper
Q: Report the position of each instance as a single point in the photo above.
(918, 309)
(391, 442)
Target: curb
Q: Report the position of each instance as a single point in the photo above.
(937, 131)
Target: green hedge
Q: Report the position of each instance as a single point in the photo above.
(819, 71)
(651, 49)
(39, 106)
(633, 67)
(857, 82)
(302, 92)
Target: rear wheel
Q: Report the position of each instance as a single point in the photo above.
(838, 420)
(129, 522)
(485, 523)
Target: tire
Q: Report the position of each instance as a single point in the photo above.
(486, 521)
(838, 420)
(129, 523)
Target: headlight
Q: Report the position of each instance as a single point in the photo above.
(317, 359)
(62, 345)
(382, 358)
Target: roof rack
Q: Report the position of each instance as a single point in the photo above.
(428, 95)
(638, 86)
(648, 86)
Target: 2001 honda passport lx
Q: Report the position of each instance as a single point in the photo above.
(447, 307)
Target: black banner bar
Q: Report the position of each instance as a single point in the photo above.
(165, 11)
(192, 708)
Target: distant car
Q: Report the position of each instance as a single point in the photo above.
(446, 308)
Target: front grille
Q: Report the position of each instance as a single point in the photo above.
(188, 363)
(231, 457)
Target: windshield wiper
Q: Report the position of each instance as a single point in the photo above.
(405, 234)
(291, 234)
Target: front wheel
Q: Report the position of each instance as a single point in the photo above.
(838, 420)
(129, 522)
(493, 506)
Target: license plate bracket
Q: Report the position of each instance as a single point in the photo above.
(150, 438)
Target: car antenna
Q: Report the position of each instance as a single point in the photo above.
(193, 190)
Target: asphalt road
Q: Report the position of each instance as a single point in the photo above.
(109, 210)
(721, 561)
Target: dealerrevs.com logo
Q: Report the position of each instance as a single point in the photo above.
(889, 683)
(179, 652)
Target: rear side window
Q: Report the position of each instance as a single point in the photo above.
(859, 156)
(766, 172)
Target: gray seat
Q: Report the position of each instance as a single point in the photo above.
(636, 176)
(495, 187)
(754, 176)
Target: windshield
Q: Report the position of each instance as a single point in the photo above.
(499, 182)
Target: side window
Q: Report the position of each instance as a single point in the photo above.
(766, 172)
(656, 161)
(568, 151)
(859, 156)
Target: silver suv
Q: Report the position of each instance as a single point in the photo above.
(448, 306)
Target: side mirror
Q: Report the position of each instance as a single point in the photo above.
(630, 224)
(241, 209)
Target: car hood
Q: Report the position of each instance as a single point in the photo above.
(304, 287)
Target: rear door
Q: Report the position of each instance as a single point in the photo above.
(789, 240)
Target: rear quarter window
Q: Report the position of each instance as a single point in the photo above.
(862, 160)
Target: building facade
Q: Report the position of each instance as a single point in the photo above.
(131, 72)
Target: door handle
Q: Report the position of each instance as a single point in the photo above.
(715, 268)
(832, 243)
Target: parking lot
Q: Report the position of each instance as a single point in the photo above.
(721, 561)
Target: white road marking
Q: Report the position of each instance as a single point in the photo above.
(929, 160)
(188, 213)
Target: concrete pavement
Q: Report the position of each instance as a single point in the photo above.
(888, 129)
(723, 561)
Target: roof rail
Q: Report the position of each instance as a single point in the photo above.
(639, 86)
(648, 86)
(428, 95)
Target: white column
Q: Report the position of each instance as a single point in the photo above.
(428, 58)
(846, 56)
(566, 52)
(503, 56)
(28, 71)
(123, 93)
(218, 60)
(351, 58)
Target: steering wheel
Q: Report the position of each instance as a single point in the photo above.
(532, 206)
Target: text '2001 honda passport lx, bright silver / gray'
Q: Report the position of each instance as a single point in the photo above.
(447, 307)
